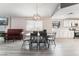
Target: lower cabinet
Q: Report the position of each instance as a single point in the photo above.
(65, 34)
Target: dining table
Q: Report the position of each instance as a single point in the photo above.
(26, 38)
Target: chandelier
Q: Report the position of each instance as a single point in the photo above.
(36, 16)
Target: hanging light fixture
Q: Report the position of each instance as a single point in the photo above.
(36, 16)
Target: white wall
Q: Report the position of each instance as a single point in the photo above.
(17, 22)
(20, 23)
(47, 24)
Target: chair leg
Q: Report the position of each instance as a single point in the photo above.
(30, 46)
(38, 45)
(48, 45)
(54, 43)
(45, 45)
(5, 41)
(23, 43)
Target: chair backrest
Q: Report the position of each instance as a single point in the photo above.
(41, 33)
(35, 33)
(33, 36)
(44, 32)
(52, 36)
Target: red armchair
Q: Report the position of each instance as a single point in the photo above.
(13, 34)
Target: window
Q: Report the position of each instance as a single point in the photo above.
(3, 21)
(34, 25)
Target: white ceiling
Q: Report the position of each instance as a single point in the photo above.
(68, 12)
(27, 9)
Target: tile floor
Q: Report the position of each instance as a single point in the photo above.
(64, 47)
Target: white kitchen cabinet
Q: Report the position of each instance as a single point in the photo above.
(64, 33)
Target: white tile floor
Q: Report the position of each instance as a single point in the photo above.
(64, 47)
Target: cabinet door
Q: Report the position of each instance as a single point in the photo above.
(65, 33)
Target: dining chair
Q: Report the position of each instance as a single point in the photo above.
(52, 37)
(44, 39)
(33, 39)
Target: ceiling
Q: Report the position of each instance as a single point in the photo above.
(27, 9)
(68, 12)
(63, 5)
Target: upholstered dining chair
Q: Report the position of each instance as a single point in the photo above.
(33, 39)
(44, 39)
(52, 37)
